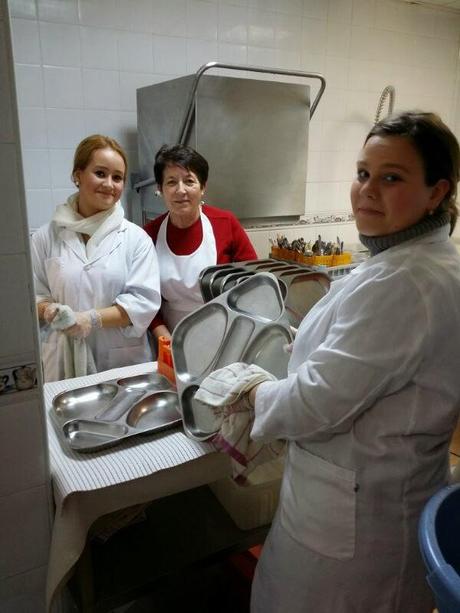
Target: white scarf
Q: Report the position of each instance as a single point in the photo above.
(97, 227)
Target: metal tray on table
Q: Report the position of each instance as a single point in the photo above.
(247, 323)
(105, 414)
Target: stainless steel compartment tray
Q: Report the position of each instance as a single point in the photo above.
(247, 323)
(300, 286)
(102, 415)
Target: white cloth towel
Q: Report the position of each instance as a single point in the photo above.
(97, 227)
(78, 357)
(226, 390)
(64, 318)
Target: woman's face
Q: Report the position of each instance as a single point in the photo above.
(389, 192)
(181, 191)
(101, 182)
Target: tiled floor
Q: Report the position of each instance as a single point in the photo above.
(218, 588)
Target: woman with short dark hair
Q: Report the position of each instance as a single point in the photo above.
(190, 236)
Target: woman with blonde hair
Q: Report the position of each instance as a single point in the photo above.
(96, 274)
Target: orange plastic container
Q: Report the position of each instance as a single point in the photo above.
(305, 259)
(342, 259)
(165, 361)
(325, 260)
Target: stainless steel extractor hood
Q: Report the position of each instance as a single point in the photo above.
(254, 134)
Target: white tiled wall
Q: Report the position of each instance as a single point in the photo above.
(78, 63)
(24, 474)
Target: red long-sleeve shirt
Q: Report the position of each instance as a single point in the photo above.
(232, 242)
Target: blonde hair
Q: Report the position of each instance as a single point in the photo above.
(89, 145)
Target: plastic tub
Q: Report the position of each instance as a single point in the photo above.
(254, 503)
(342, 259)
(439, 531)
(307, 260)
(325, 260)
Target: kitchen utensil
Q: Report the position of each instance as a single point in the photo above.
(246, 323)
(99, 416)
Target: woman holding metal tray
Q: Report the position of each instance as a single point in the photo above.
(96, 274)
(190, 236)
(372, 394)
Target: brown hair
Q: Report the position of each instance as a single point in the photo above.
(88, 145)
(436, 145)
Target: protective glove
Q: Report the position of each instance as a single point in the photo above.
(51, 311)
(86, 321)
(230, 383)
(242, 405)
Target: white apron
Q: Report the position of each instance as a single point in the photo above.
(179, 274)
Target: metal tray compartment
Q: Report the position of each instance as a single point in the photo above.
(247, 323)
(304, 290)
(300, 287)
(102, 415)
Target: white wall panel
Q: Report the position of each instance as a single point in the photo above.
(19, 424)
(25, 592)
(24, 531)
(359, 45)
(11, 241)
(6, 123)
(17, 317)
(24, 478)
(26, 41)
(60, 44)
(29, 85)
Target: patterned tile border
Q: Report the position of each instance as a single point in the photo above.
(18, 378)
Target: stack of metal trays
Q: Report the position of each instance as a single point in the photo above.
(102, 415)
(247, 323)
(301, 287)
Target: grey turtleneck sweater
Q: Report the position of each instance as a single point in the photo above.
(376, 244)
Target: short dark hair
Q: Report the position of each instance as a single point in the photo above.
(436, 145)
(180, 155)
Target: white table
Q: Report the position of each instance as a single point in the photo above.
(87, 486)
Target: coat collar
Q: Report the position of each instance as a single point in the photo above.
(75, 243)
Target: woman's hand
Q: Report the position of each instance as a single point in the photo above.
(46, 310)
(161, 330)
(110, 317)
(86, 321)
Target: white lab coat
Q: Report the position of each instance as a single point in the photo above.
(123, 271)
(368, 408)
